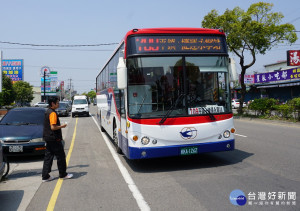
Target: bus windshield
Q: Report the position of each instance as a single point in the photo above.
(189, 86)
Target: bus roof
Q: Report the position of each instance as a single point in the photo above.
(175, 31)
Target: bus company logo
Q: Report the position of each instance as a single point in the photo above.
(188, 133)
(238, 198)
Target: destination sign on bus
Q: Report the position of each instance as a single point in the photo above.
(176, 44)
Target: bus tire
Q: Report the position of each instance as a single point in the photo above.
(101, 127)
(116, 139)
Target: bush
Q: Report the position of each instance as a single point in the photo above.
(264, 105)
(295, 104)
(285, 110)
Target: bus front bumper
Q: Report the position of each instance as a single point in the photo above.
(180, 150)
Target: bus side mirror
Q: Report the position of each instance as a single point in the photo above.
(122, 74)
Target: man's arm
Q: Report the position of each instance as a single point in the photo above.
(56, 127)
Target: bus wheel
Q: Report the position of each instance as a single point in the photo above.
(101, 127)
(116, 140)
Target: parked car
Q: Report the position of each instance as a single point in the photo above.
(69, 105)
(41, 104)
(2, 164)
(21, 131)
(63, 109)
(235, 103)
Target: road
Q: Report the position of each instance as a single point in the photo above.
(266, 161)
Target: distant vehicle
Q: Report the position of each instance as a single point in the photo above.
(63, 109)
(95, 102)
(41, 104)
(69, 103)
(235, 103)
(21, 131)
(80, 106)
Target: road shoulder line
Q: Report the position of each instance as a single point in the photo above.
(143, 205)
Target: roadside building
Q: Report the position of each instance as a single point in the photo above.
(280, 81)
(36, 95)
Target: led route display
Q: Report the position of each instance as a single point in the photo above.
(176, 44)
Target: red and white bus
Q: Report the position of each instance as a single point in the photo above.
(165, 92)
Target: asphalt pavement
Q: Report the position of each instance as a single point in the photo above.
(265, 160)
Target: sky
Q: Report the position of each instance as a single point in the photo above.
(92, 22)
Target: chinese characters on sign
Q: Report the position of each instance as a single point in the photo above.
(176, 44)
(13, 68)
(272, 198)
(277, 76)
(293, 58)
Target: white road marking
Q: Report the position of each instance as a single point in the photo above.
(143, 205)
(240, 135)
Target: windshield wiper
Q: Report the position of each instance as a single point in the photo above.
(5, 123)
(142, 103)
(29, 123)
(211, 116)
(170, 110)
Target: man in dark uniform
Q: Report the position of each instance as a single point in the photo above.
(53, 137)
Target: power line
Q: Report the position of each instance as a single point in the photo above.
(48, 49)
(63, 46)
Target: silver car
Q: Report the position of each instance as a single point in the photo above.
(41, 104)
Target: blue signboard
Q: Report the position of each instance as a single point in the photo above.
(277, 76)
(13, 68)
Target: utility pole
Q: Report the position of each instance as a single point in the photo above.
(70, 88)
(0, 71)
(44, 85)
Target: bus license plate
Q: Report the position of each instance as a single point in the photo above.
(15, 148)
(189, 151)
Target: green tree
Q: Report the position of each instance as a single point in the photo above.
(7, 96)
(24, 93)
(91, 95)
(251, 32)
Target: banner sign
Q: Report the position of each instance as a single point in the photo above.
(51, 82)
(13, 68)
(293, 58)
(277, 76)
(248, 79)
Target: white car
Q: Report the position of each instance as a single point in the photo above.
(80, 106)
(41, 104)
(235, 103)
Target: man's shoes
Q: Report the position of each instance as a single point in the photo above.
(47, 180)
(69, 176)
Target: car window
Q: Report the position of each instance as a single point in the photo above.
(80, 101)
(63, 105)
(19, 117)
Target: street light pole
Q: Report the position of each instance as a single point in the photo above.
(44, 85)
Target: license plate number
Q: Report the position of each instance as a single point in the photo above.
(189, 151)
(15, 148)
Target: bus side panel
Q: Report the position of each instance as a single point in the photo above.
(106, 111)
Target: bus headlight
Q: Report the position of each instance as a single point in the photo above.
(226, 134)
(145, 140)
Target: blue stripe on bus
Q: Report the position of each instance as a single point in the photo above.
(168, 151)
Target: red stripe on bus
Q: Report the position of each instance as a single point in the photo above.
(182, 120)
